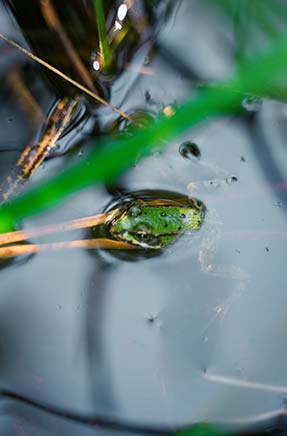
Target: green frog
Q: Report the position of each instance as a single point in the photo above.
(155, 223)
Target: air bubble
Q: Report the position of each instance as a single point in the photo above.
(137, 120)
(232, 179)
(189, 150)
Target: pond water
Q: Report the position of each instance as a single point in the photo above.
(171, 339)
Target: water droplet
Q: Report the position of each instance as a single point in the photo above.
(163, 214)
(237, 251)
(242, 159)
(279, 204)
(232, 179)
(118, 26)
(252, 104)
(10, 119)
(122, 11)
(146, 60)
(96, 65)
(189, 150)
(219, 309)
(151, 317)
(182, 215)
(267, 249)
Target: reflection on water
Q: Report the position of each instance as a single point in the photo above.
(156, 342)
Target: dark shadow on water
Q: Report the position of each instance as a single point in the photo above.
(98, 368)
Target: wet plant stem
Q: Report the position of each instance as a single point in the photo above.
(87, 244)
(63, 75)
(65, 226)
(103, 37)
(14, 250)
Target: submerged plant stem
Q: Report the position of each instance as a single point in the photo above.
(88, 244)
(32, 156)
(65, 226)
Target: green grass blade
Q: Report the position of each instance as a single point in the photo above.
(103, 37)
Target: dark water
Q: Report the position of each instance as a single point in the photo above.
(174, 339)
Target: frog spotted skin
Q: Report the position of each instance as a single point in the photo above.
(156, 224)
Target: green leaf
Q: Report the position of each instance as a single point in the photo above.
(202, 429)
(103, 37)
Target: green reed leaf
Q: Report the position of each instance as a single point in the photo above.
(103, 37)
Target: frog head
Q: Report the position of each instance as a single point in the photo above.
(154, 224)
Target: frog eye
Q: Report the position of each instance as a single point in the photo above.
(143, 233)
(147, 238)
(135, 211)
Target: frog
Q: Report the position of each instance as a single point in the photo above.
(156, 223)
